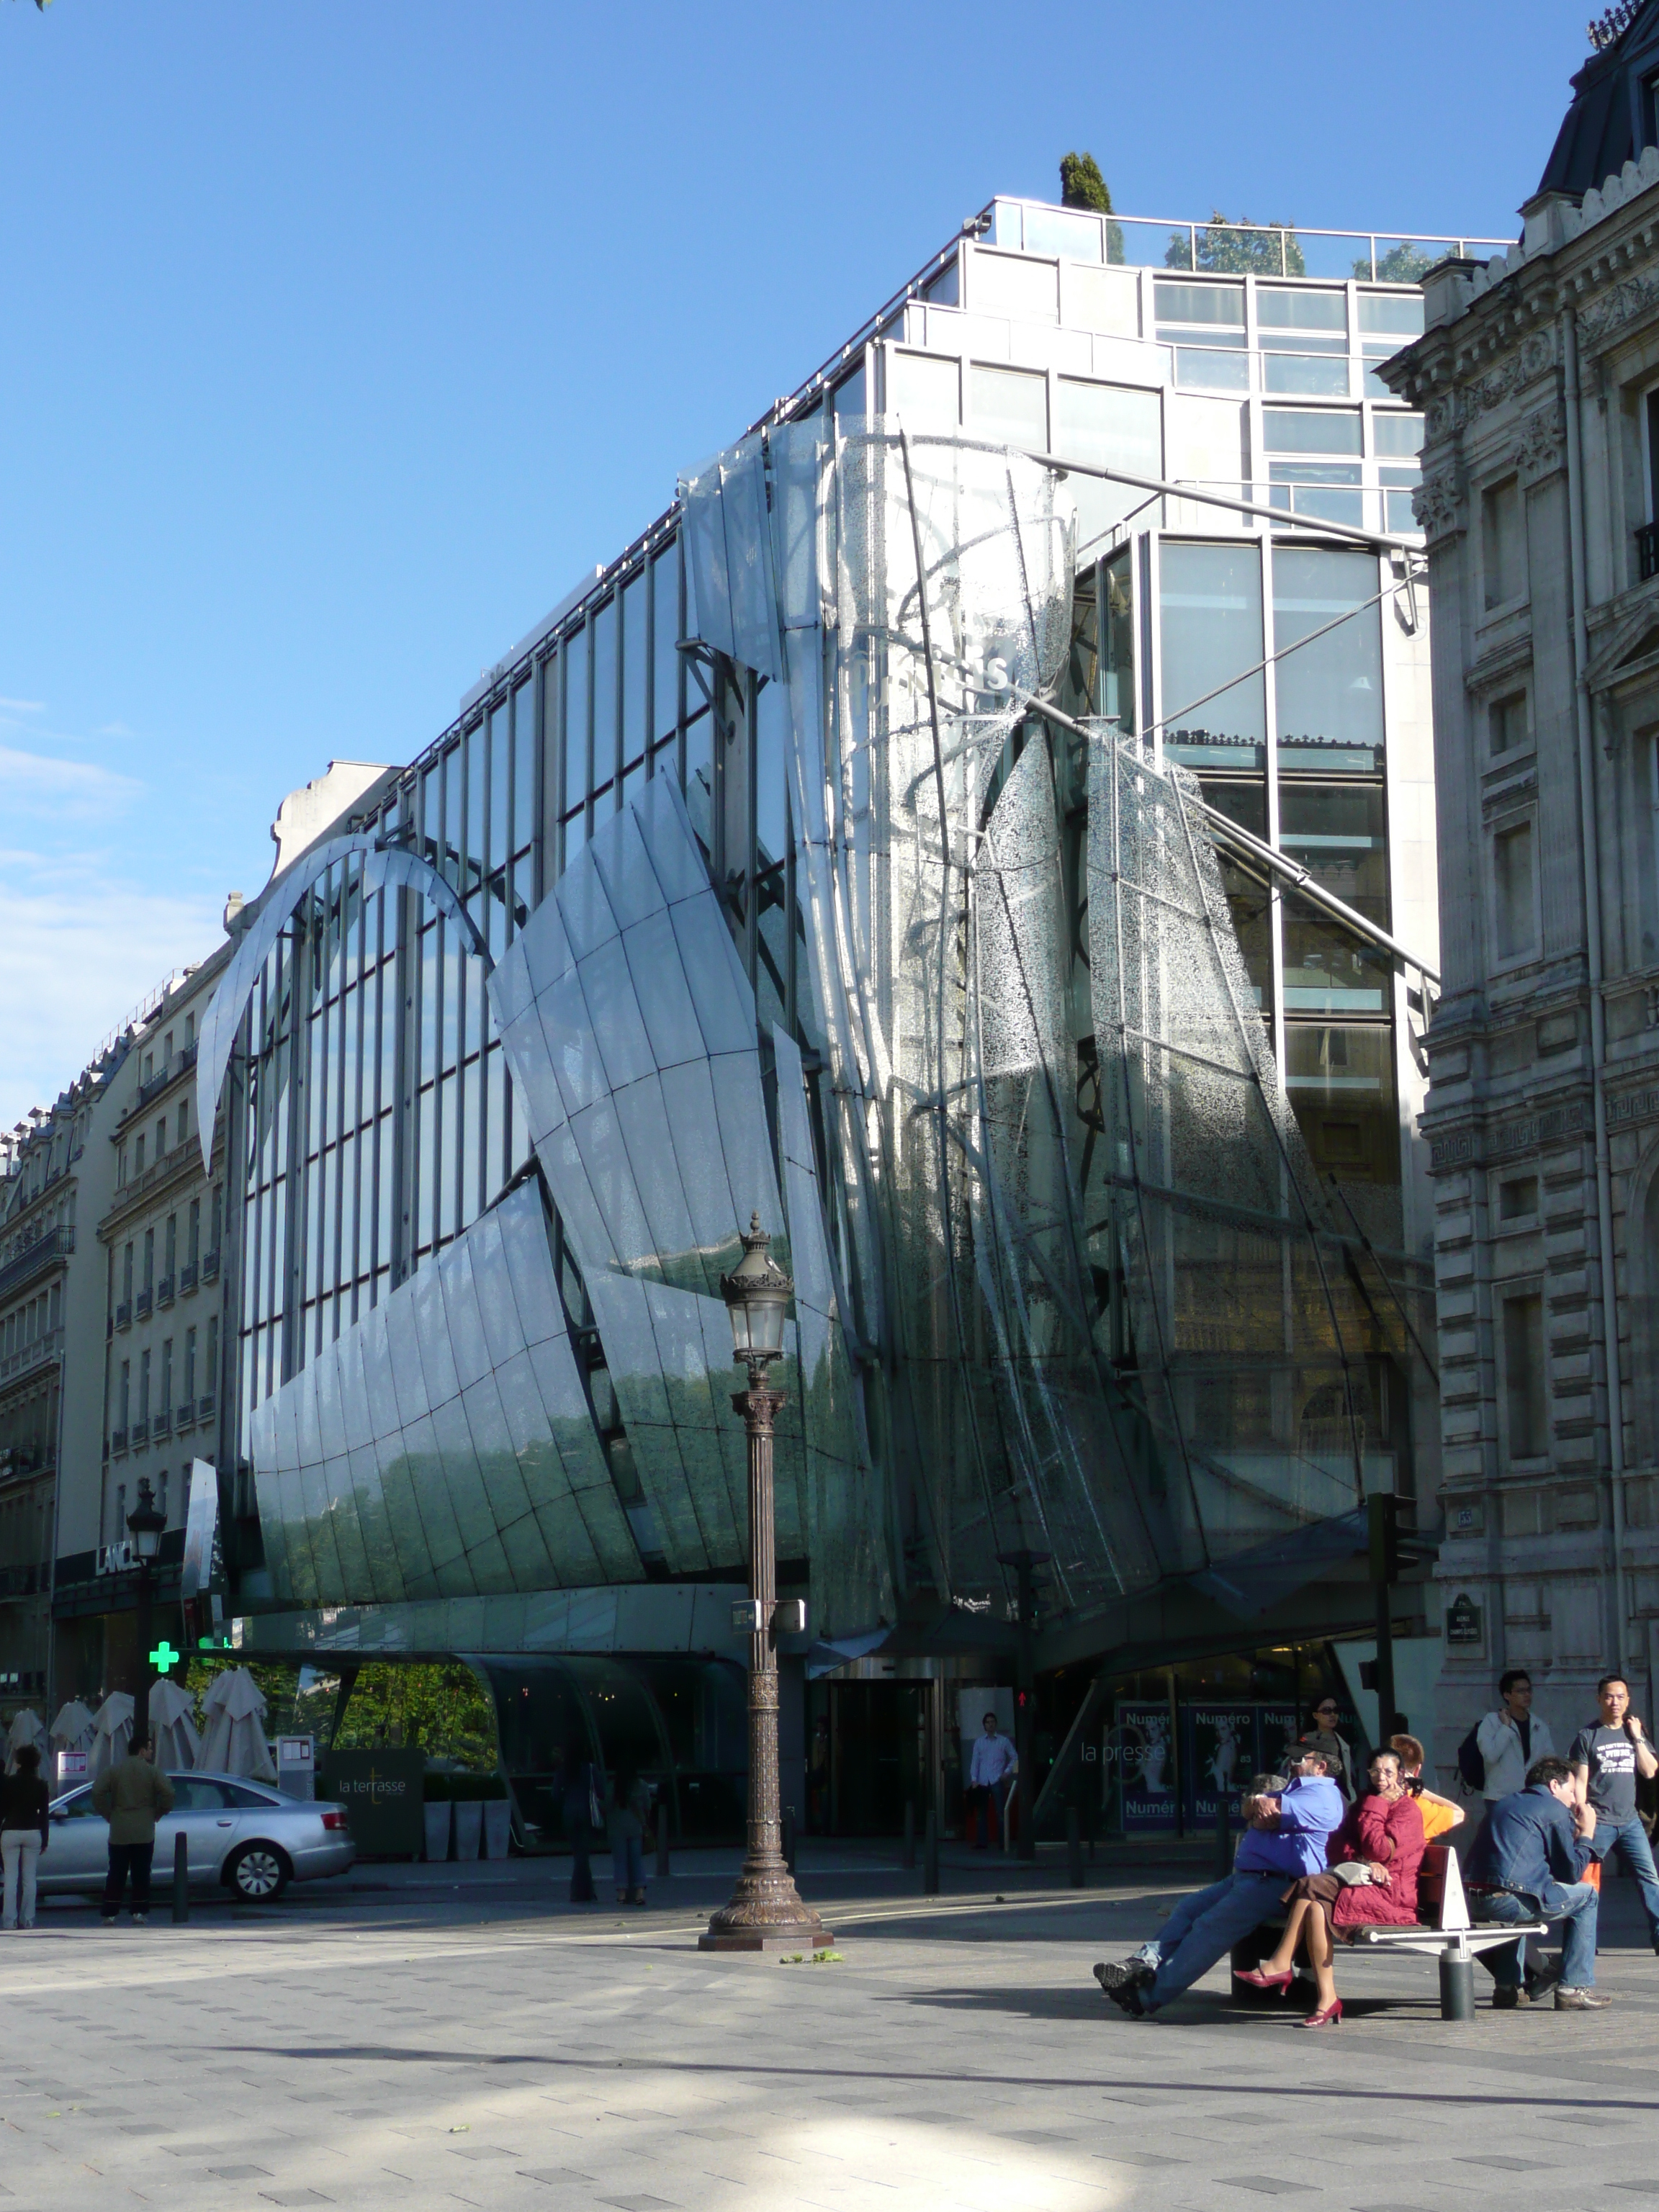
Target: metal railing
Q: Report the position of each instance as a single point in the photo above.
(144, 1305)
(55, 1244)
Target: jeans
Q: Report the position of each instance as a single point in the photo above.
(990, 1798)
(1630, 1841)
(1205, 1928)
(20, 1850)
(629, 1855)
(127, 1859)
(1574, 1907)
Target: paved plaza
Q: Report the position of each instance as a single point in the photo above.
(432, 2037)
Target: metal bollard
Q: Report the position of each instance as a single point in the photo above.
(930, 1855)
(1456, 1988)
(789, 1838)
(181, 1881)
(1074, 1847)
(1224, 1835)
(909, 1856)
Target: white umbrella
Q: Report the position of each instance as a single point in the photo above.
(72, 1729)
(232, 1741)
(112, 1732)
(172, 1720)
(27, 1728)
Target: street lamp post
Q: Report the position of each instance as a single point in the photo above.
(766, 1912)
(144, 1524)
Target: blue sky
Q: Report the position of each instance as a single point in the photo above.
(340, 340)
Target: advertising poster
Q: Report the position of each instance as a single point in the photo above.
(1139, 1753)
(1218, 1759)
(1275, 1727)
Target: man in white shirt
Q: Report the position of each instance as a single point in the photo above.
(1510, 1740)
(991, 1769)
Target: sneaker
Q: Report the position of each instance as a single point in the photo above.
(1510, 1998)
(1123, 1985)
(1542, 1979)
(1569, 2000)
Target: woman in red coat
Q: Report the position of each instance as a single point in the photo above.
(1383, 1835)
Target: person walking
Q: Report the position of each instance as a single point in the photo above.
(1528, 1862)
(628, 1815)
(25, 1831)
(1606, 1757)
(990, 1771)
(1371, 1882)
(1511, 1740)
(133, 1796)
(1287, 1836)
(1322, 1731)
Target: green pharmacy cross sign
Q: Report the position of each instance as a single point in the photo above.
(163, 1656)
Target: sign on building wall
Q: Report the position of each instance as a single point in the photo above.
(1464, 1624)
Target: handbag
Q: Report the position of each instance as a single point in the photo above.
(1353, 1873)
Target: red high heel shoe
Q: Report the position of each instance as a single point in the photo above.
(1331, 2017)
(1258, 1980)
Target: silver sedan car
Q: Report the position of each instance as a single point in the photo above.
(244, 1836)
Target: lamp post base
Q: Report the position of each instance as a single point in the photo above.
(766, 1914)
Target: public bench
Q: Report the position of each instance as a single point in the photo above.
(1445, 1933)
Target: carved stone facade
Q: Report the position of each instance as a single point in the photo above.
(1539, 377)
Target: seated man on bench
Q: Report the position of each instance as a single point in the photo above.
(1286, 1838)
(1527, 1863)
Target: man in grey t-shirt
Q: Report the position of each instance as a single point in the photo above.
(1606, 1759)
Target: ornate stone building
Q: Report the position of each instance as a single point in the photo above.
(1539, 376)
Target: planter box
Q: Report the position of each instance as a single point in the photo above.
(437, 1829)
(469, 1827)
(497, 1826)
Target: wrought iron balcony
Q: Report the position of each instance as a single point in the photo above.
(33, 1259)
(187, 1279)
(143, 1304)
(164, 1292)
(123, 1313)
(211, 1265)
(118, 1443)
(139, 1434)
(205, 1408)
(163, 1424)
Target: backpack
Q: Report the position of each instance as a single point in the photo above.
(1470, 1764)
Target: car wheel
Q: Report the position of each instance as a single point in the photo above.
(258, 1874)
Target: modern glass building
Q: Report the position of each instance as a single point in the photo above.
(852, 848)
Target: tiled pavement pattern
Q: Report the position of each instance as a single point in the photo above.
(511, 2055)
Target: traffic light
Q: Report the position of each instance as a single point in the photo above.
(1383, 1530)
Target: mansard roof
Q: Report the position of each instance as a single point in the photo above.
(1611, 117)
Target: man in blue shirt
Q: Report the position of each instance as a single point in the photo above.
(1287, 1837)
(1528, 1863)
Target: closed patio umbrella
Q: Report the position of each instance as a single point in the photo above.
(112, 1732)
(27, 1728)
(72, 1729)
(232, 1741)
(172, 1716)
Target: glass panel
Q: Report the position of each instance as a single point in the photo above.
(1327, 970)
(924, 389)
(1248, 896)
(603, 631)
(1396, 434)
(1009, 404)
(1316, 376)
(1200, 303)
(575, 658)
(1211, 630)
(1310, 430)
(1111, 427)
(1395, 312)
(1201, 369)
(1337, 832)
(1341, 1086)
(849, 397)
(665, 568)
(771, 757)
(1401, 515)
(1141, 245)
(1409, 260)
(1330, 690)
(636, 646)
(1118, 670)
(523, 772)
(1071, 235)
(1345, 254)
(1280, 308)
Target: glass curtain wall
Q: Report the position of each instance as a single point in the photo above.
(380, 1117)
